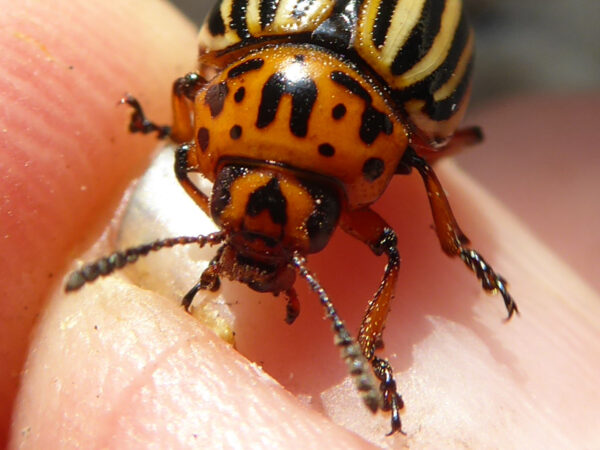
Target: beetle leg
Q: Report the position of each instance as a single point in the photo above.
(139, 123)
(453, 240)
(185, 162)
(292, 309)
(367, 226)
(209, 280)
(464, 137)
(184, 93)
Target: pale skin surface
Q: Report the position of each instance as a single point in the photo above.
(115, 365)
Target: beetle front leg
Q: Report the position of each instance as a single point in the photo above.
(186, 162)
(184, 92)
(464, 137)
(292, 309)
(139, 123)
(367, 226)
(453, 240)
(209, 280)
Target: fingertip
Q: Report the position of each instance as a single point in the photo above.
(66, 154)
(141, 371)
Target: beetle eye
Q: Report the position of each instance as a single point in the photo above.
(324, 219)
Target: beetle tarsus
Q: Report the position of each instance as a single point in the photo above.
(452, 239)
(292, 309)
(392, 401)
(209, 280)
(490, 280)
(139, 123)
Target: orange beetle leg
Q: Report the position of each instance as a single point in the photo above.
(185, 162)
(464, 137)
(367, 226)
(453, 240)
(292, 309)
(184, 93)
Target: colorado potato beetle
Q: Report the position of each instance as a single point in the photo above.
(300, 113)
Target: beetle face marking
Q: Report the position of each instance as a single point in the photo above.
(270, 198)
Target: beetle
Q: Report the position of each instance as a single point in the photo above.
(300, 113)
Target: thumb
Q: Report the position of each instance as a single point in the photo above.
(115, 363)
(65, 157)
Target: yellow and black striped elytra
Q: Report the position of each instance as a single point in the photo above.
(300, 113)
(421, 50)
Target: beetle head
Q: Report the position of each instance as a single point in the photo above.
(269, 213)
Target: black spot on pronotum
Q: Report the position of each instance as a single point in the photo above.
(353, 86)
(203, 138)
(239, 94)
(215, 98)
(326, 150)
(245, 67)
(372, 121)
(304, 93)
(235, 132)
(270, 198)
(338, 111)
(373, 168)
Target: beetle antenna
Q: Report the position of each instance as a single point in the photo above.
(108, 264)
(351, 352)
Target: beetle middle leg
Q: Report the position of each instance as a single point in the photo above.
(367, 226)
(464, 137)
(453, 240)
(186, 162)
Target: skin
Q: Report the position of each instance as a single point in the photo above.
(114, 365)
